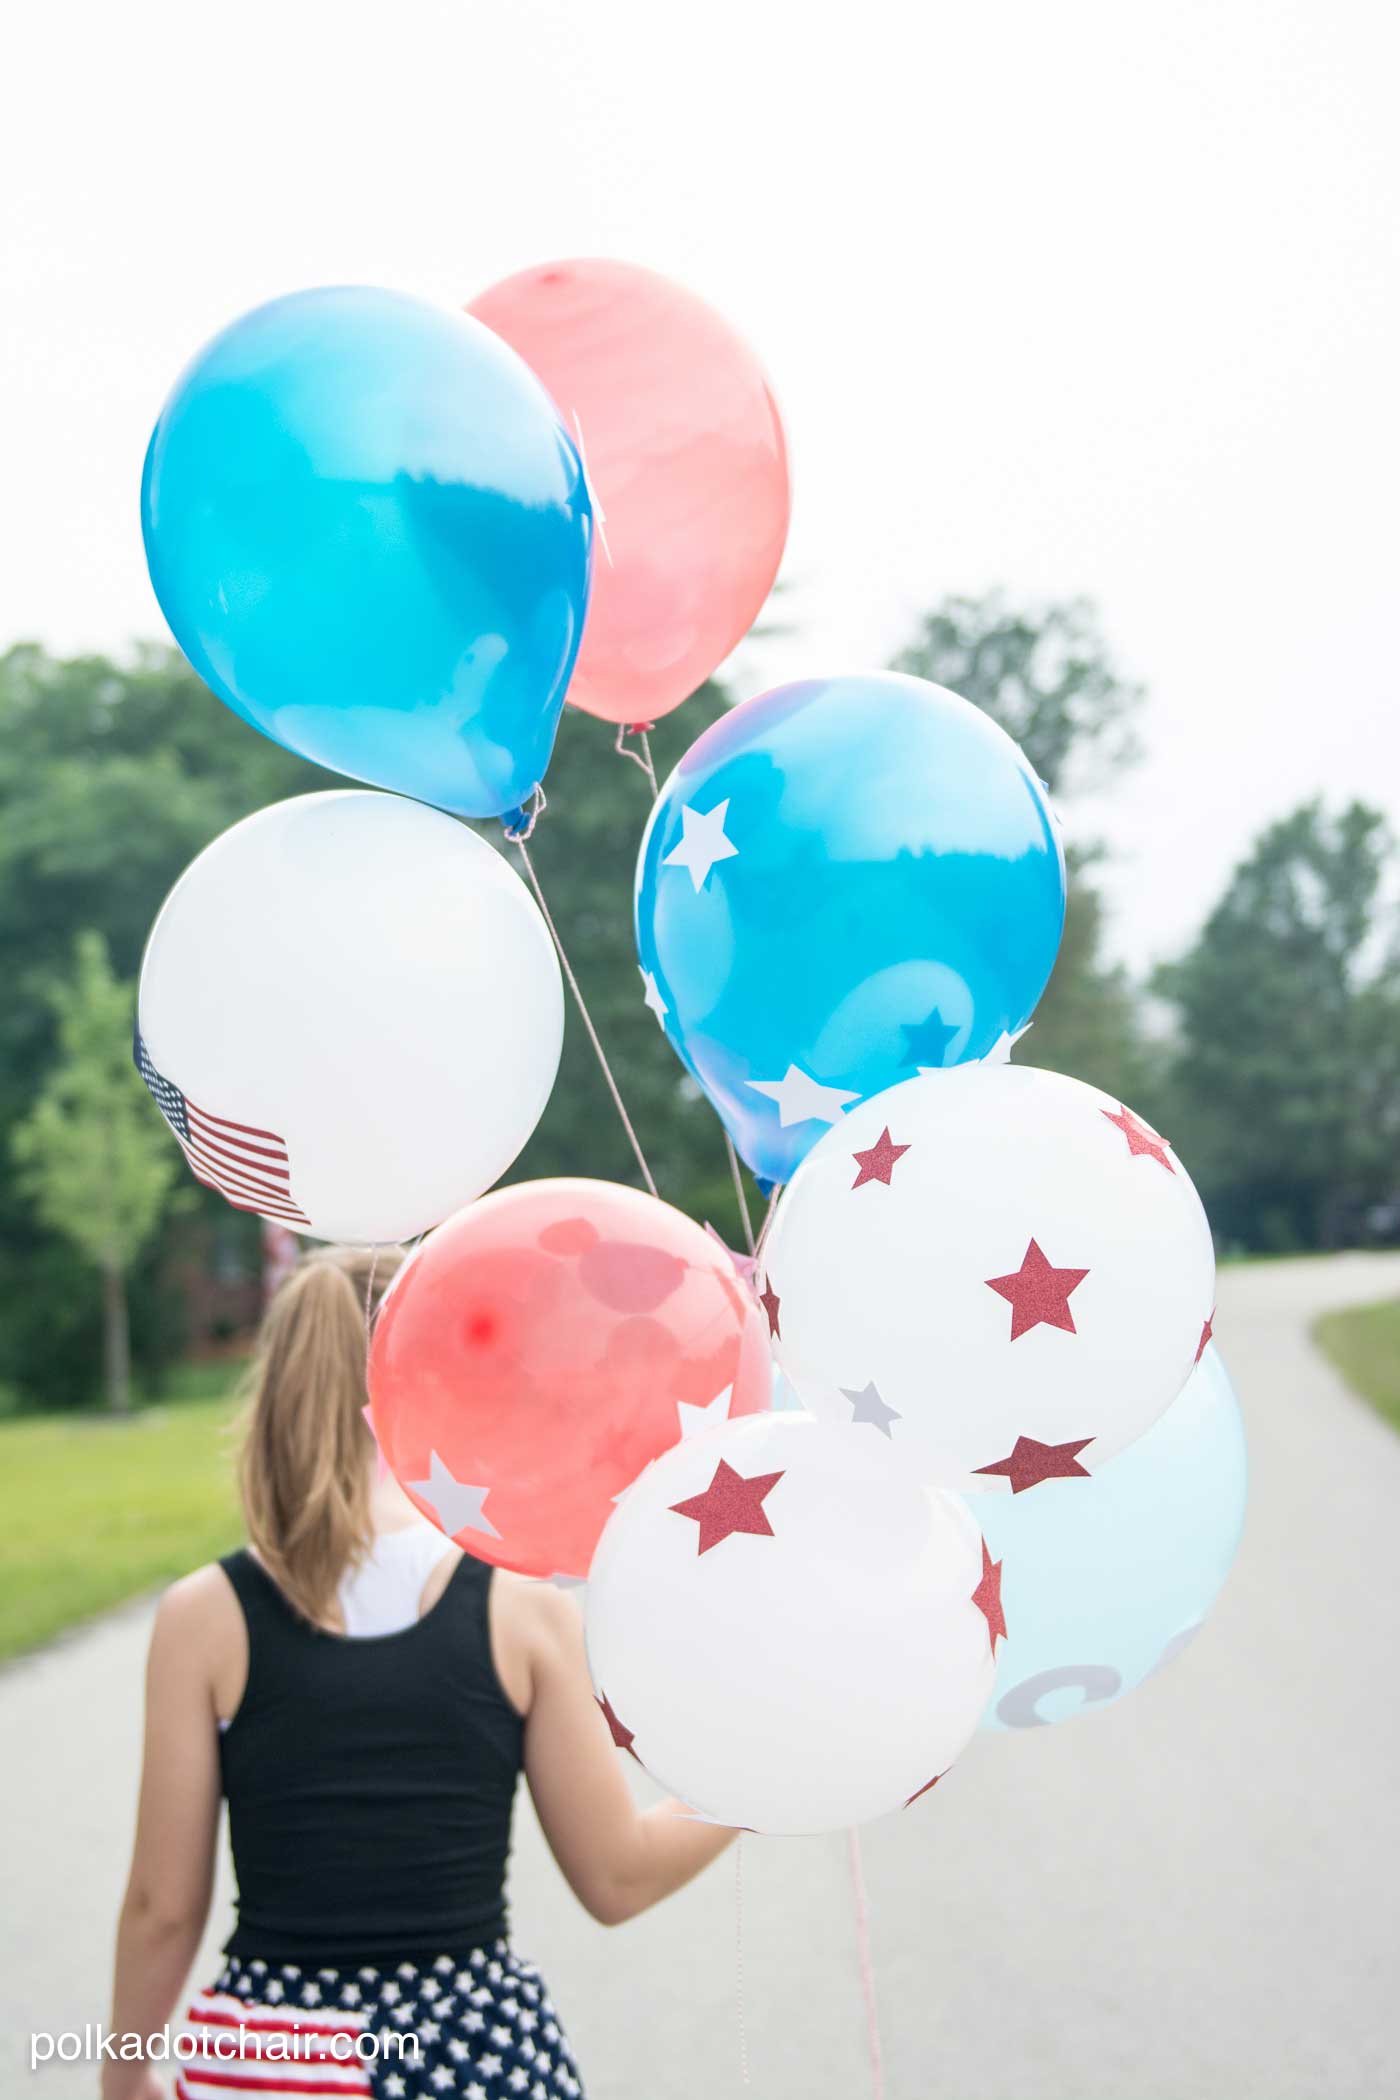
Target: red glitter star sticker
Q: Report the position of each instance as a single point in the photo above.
(1207, 1334)
(878, 1161)
(987, 1598)
(623, 1737)
(1143, 1141)
(927, 1788)
(1030, 1462)
(1038, 1293)
(770, 1301)
(730, 1503)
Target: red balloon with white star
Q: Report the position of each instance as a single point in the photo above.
(787, 1630)
(542, 1347)
(1002, 1274)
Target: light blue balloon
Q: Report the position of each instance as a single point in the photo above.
(371, 535)
(1105, 1580)
(846, 879)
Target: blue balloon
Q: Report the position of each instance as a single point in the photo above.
(371, 535)
(843, 882)
(1105, 1580)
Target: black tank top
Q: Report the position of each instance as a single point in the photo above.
(370, 1782)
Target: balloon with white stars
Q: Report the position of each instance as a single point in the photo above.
(843, 882)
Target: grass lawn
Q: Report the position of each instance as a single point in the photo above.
(94, 1510)
(1364, 1345)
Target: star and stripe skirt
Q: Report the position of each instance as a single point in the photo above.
(482, 2028)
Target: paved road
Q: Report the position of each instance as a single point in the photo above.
(1191, 1896)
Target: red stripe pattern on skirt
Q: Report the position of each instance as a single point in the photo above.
(482, 2028)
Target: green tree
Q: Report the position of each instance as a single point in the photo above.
(1286, 1080)
(1045, 674)
(89, 1153)
(112, 777)
(1047, 677)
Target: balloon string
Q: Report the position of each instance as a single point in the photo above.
(777, 1191)
(867, 1967)
(586, 1017)
(739, 1192)
(643, 760)
(600, 516)
(369, 1301)
(640, 758)
(739, 1957)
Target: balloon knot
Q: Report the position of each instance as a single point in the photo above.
(519, 824)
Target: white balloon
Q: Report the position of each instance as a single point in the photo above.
(803, 1677)
(1009, 1278)
(351, 1014)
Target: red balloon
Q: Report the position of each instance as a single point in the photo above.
(685, 454)
(542, 1347)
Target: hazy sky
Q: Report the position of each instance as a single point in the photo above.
(1072, 298)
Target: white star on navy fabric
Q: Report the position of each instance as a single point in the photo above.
(867, 1406)
(394, 2085)
(1000, 1052)
(693, 1418)
(802, 1099)
(652, 998)
(703, 843)
(459, 1508)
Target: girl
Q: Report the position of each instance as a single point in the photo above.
(365, 1695)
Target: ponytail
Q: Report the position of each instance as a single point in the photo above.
(304, 1471)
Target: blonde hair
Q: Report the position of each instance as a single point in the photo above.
(304, 1466)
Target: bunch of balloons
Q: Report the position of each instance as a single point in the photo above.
(397, 540)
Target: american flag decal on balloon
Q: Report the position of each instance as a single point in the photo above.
(250, 1168)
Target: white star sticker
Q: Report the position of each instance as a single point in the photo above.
(802, 1099)
(703, 842)
(653, 999)
(1000, 1052)
(693, 1419)
(458, 1506)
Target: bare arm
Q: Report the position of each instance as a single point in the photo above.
(618, 1859)
(172, 1868)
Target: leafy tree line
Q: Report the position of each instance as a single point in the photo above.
(1277, 1084)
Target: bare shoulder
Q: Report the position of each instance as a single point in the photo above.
(197, 1614)
(535, 1627)
(540, 1610)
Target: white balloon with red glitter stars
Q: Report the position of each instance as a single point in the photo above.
(788, 1631)
(1002, 1275)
